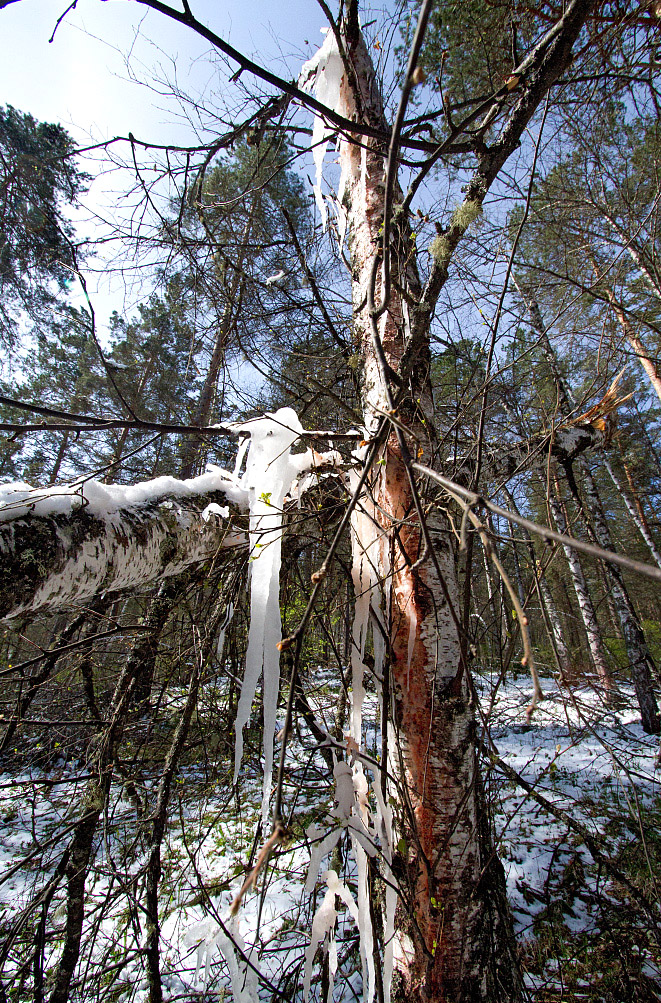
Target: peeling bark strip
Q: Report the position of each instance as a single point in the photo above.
(52, 561)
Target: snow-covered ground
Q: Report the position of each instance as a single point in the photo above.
(593, 762)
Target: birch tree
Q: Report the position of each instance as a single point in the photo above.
(446, 926)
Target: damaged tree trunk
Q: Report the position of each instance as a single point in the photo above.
(456, 943)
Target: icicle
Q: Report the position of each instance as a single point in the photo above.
(220, 643)
(270, 471)
(240, 456)
(324, 924)
(213, 938)
(344, 790)
(364, 921)
(323, 846)
(244, 978)
(323, 74)
(365, 542)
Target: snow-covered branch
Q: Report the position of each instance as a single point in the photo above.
(65, 545)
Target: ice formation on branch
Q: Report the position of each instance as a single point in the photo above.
(323, 925)
(324, 75)
(210, 937)
(269, 475)
(352, 814)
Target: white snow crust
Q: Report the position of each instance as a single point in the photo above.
(18, 499)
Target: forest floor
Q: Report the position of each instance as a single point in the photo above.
(583, 937)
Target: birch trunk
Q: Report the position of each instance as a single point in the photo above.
(54, 560)
(585, 605)
(640, 660)
(460, 946)
(456, 943)
(634, 510)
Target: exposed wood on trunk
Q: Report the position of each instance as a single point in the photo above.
(644, 357)
(460, 948)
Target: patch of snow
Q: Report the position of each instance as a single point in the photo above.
(276, 280)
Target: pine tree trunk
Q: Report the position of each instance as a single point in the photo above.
(208, 392)
(644, 357)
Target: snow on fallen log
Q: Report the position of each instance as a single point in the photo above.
(67, 544)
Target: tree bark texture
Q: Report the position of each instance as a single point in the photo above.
(640, 659)
(583, 598)
(455, 943)
(597, 527)
(634, 509)
(53, 561)
(460, 946)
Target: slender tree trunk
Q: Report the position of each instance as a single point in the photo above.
(152, 947)
(121, 442)
(597, 528)
(548, 607)
(646, 360)
(102, 763)
(585, 605)
(37, 679)
(640, 659)
(456, 942)
(64, 442)
(208, 391)
(634, 508)
(553, 625)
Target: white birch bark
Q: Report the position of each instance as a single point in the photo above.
(51, 561)
(631, 509)
(585, 605)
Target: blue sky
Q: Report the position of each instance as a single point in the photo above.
(81, 79)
